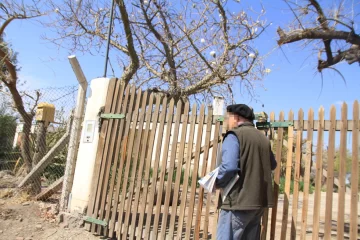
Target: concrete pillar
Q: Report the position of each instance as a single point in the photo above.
(80, 192)
(75, 133)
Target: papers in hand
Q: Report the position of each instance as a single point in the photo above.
(208, 183)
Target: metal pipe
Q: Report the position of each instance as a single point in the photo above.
(109, 36)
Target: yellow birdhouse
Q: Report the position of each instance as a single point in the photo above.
(45, 112)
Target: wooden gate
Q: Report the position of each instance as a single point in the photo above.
(151, 153)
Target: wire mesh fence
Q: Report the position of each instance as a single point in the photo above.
(34, 142)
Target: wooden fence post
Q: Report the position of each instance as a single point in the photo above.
(75, 132)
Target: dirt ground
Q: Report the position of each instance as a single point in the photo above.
(310, 216)
(21, 219)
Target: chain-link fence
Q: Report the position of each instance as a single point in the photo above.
(34, 143)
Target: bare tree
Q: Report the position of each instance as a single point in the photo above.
(182, 48)
(331, 30)
(10, 11)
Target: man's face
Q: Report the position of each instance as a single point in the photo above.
(232, 120)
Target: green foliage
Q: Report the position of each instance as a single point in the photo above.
(301, 186)
(347, 163)
(7, 133)
(182, 177)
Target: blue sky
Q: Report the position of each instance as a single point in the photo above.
(292, 84)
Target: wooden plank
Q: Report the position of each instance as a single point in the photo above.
(105, 166)
(186, 173)
(265, 217)
(178, 172)
(318, 176)
(280, 133)
(217, 212)
(47, 159)
(336, 181)
(342, 173)
(155, 171)
(50, 190)
(298, 154)
(203, 173)
(125, 177)
(195, 174)
(217, 193)
(163, 170)
(123, 141)
(108, 153)
(118, 127)
(355, 175)
(326, 126)
(135, 161)
(120, 153)
(315, 124)
(145, 181)
(171, 170)
(100, 150)
(330, 175)
(209, 196)
(141, 166)
(287, 179)
(308, 160)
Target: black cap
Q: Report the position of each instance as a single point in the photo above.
(241, 110)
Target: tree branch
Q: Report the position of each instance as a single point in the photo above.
(298, 35)
(321, 18)
(168, 52)
(5, 24)
(134, 59)
(9, 66)
(351, 55)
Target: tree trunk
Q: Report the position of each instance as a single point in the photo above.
(25, 143)
(40, 150)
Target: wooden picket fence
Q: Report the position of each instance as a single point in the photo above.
(333, 214)
(152, 151)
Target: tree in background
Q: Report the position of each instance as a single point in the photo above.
(180, 49)
(330, 31)
(10, 11)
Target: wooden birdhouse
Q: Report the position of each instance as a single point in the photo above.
(45, 112)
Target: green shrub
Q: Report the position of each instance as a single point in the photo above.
(301, 186)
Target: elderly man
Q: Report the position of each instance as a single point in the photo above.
(247, 152)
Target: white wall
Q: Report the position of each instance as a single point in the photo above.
(87, 150)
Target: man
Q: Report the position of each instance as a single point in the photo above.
(246, 151)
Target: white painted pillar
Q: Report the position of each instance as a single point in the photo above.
(218, 106)
(19, 129)
(88, 146)
(218, 109)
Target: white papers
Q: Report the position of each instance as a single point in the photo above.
(208, 183)
(225, 191)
